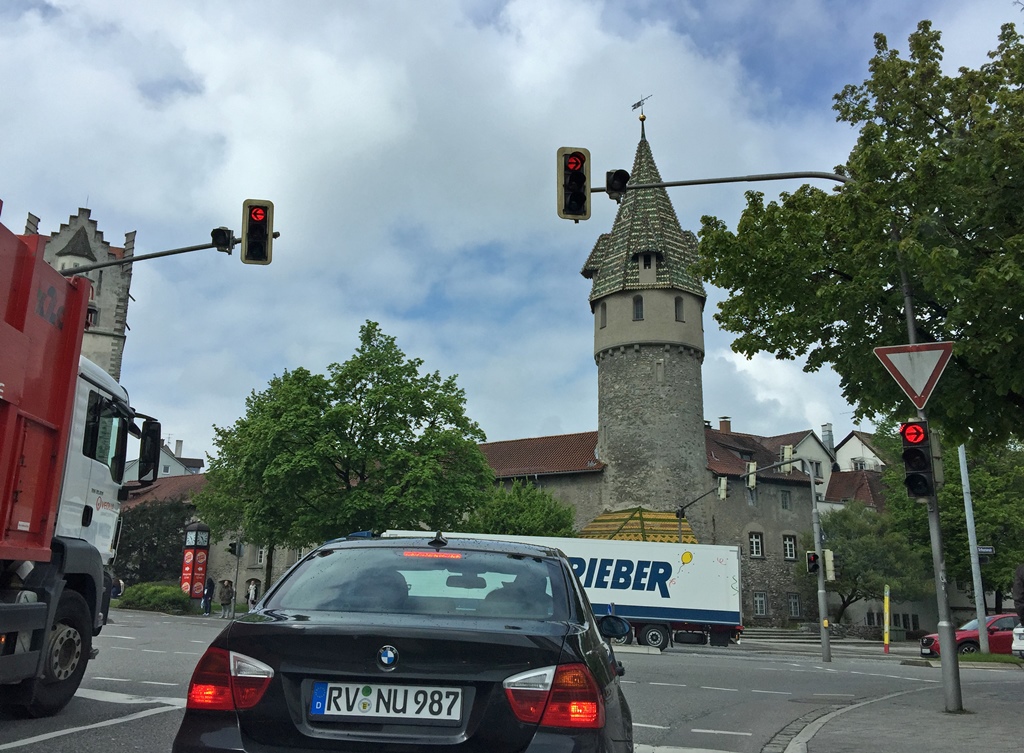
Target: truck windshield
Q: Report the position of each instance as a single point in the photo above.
(106, 434)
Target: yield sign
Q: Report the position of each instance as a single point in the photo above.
(916, 368)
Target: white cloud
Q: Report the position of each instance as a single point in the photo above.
(409, 150)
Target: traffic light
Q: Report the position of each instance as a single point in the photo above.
(573, 183)
(723, 487)
(615, 184)
(751, 475)
(830, 565)
(917, 459)
(813, 565)
(257, 231)
(235, 547)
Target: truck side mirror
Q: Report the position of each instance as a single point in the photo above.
(149, 452)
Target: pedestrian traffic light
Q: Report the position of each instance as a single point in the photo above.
(723, 487)
(919, 475)
(813, 565)
(235, 547)
(830, 565)
(573, 183)
(257, 231)
(751, 475)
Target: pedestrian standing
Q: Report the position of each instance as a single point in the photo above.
(225, 595)
(208, 593)
(251, 595)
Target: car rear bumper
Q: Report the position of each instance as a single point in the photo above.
(203, 732)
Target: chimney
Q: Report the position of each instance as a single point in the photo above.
(724, 425)
(177, 447)
(826, 438)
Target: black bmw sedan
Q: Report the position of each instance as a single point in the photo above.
(402, 645)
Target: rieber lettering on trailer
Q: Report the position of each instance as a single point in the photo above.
(644, 575)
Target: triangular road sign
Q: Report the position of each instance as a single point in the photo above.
(916, 368)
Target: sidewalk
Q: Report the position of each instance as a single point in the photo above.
(915, 721)
(912, 721)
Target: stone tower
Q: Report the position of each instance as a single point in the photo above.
(648, 306)
(78, 243)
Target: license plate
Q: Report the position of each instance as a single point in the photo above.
(362, 700)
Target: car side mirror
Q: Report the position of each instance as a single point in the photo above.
(613, 626)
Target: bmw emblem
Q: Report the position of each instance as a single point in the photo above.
(387, 658)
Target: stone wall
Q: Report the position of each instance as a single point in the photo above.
(651, 427)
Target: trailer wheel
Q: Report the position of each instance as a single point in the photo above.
(655, 636)
(65, 656)
(624, 640)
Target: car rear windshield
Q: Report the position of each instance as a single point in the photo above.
(412, 580)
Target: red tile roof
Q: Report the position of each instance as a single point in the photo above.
(726, 448)
(165, 489)
(539, 456)
(864, 486)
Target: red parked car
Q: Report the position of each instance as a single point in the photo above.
(1000, 636)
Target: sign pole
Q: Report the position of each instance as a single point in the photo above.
(885, 617)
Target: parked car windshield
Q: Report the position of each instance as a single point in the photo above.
(969, 625)
(424, 581)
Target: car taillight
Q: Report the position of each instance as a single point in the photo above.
(226, 681)
(562, 696)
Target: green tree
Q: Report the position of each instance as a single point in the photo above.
(374, 444)
(522, 510)
(996, 477)
(152, 539)
(870, 553)
(937, 185)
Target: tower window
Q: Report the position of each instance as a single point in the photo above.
(647, 261)
(679, 309)
(638, 308)
(602, 315)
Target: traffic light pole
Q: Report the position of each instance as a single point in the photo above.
(947, 632)
(71, 271)
(823, 627)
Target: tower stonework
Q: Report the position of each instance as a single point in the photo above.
(79, 242)
(648, 306)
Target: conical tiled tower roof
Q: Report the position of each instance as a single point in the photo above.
(646, 223)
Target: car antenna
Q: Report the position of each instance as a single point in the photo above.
(438, 540)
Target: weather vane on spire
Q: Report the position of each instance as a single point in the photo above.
(640, 104)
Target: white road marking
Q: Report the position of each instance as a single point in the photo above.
(708, 687)
(154, 682)
(669, 684)
(170, 704)
(841, 695)
(722, 732)
(119, 637)
(113, 679)
(650, 726)
(152, 651)
(111, 697)
(775, 692)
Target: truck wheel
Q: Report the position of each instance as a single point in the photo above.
(654, 636)
(65, 657)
